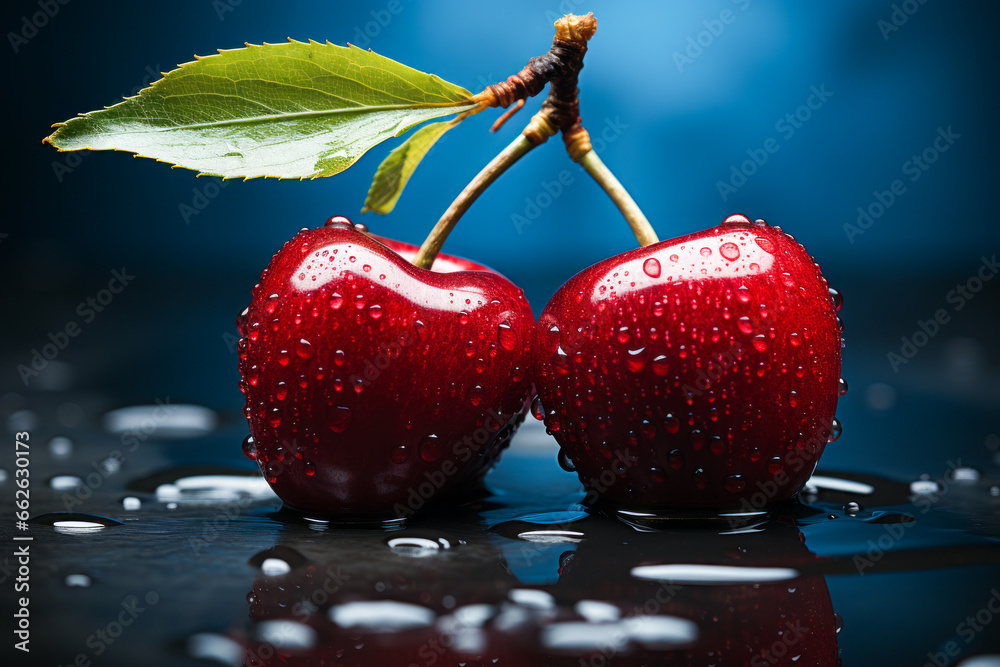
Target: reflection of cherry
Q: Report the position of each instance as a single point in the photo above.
(786, 621)
(372, 385)
(696, 372)
(415, 584)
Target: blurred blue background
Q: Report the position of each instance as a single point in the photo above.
(683, 94)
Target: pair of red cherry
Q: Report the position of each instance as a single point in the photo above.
(701, 371)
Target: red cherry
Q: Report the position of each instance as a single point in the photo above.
(371, 385)
(699, 371)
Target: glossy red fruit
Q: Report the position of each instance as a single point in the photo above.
(373, 386)
(701, 371)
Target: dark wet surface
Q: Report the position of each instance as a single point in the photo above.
(180, 537)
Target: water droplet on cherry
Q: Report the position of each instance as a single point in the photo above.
(730, 251)
(651, 267)
(339, 222)
(250, 448)
(430, 448)
(835, 430)
(736, 219)
(837, 298)
(734, 483)
(766, 244)
(565, 462)
(340, 419)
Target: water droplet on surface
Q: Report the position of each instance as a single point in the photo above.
(60, 447)
(375, 311)
(651, 267)
(718, 575)
(65, 482)
(623, 335)
(766, 244)
(965, 475)
(284, 635)
(736, 219)
(430, 448)
(743, 294)
(745, 325)
(131, 504)
(838, 623)
(923, 487)
(336, 301)
(730, 251)
(340, 419)
(760, 342)
(382, 616)
(852, 508)
(842, 386)
(700, 478)
(310, 468)
(274, 567)
(835, 430)
(417, 547)
(674, 258)
(705, 252)
(775, 465)
(250, 448)
(77, 581)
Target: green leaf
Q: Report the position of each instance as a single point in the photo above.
(396, 169)
(296, 110)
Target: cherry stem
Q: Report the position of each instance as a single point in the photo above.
(643, 231)
(431, 246)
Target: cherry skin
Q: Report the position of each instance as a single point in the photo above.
(373, 386)
(701, 371)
